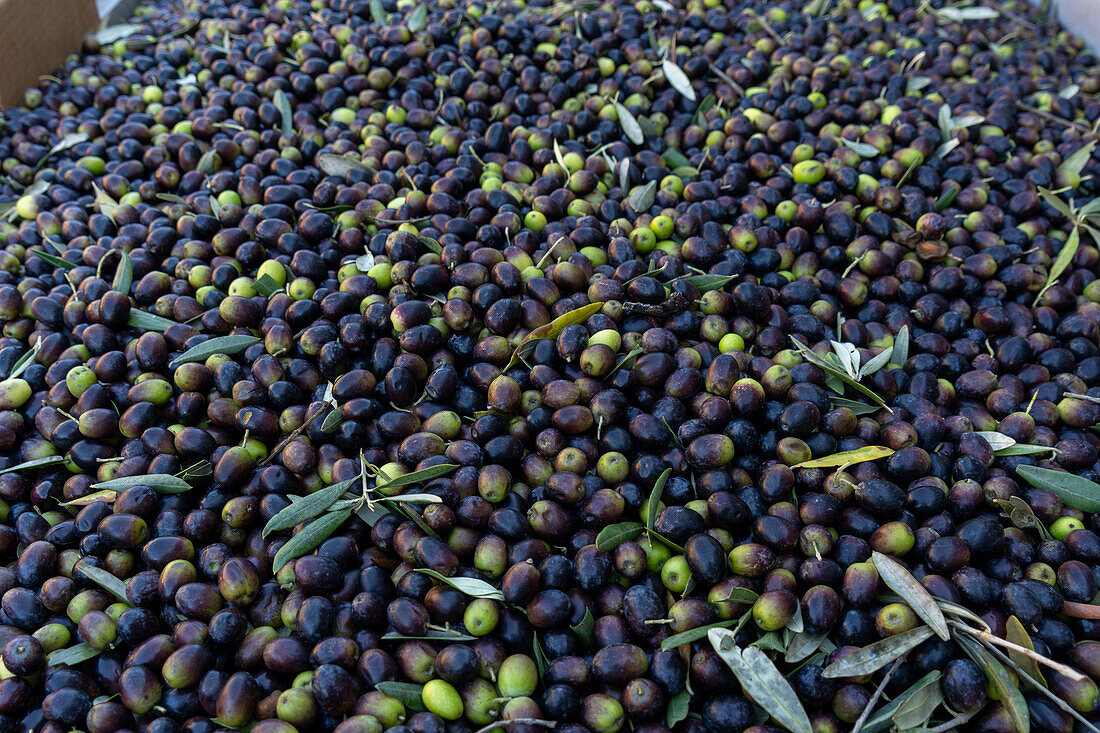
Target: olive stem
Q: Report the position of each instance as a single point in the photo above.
(657, 621)
(954, 723)
(728, 79)
(992, 639)
(1081, 610)
(516, 721)
(287, 440)
(1053, 118)
(875, 697)
(1085, 397)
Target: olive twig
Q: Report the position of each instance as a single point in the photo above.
(954, 723)
(985, 636)
(1052, 117)
(516, 721)
(877, 696)
(287, 440)
(1041, 687)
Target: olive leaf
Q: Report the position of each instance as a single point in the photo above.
(614, 535)
(1022, 516)
(678, 708)
(642, 197)
(677, 79)
(72, 656)
(655, 498)
(408, 693)
(898, 578)
(307, 507)
(865, 150)
(541, 662)
(309, 537)
(675, 158)
(332, 420)
(882, 721)
(124, 274)
(1023, 449)
(585, 629)
(916, 83)
(227, 345)
(626, 361)
(52, 259)
(1056, 203)
(69, 141)
(859, 408)
(1075, 491)
(1008, 691)
(877, 655)
(148, 321)
(286, 115)
(771, 641)
(415, 477)
(551, 330)
(110, 34)
(917, 708)
(36, 463)
(560, 158)
(809, 355)
(848, 457)
(104, 580)
(1061, 262)
(629, 123)
(25, 360)
(958, 15)
(1076, 162)
(707, 283)
(803, 645)
(708, 103)
(876, 362)
(848, 355)
(447, 635)
(339, 165)
(472, 587)
(761, 681)
(691, 635)
(162, 483)
(104, 495)
(378, 13)
(740, 595)
(1017, 634)
(104, 203)
(418, 19)
(997, 441)
(432, 245)
(947, 198)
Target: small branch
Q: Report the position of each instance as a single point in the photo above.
(954, 723)
(1005, 659)
(1052, 118)
(1081, 610)
(517, 721)
(286, 441)
(875, 698)
(1086, 398)
(992, 639)
(727, 78)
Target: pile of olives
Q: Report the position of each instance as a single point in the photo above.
(379, 366)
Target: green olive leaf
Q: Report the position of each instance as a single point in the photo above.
(227, 345)
(997, 441)
(848, 457)
(877, 655)
(416, 477)
(1075, 491)
(52, 259)
(831, 370)
(771, 641)
(408, 693)
(761, 681)
(1023, 449)
(898, 578)
(947, 198)
(740, 595)
(586, 629)
(418, 19)
(674, 157)
(642, 197)
(876, 362)
(339, 165)
(30, 355)
(866, 150)
(803, 645)
(266, 286)
(124, 275)
(708, 103)
(1017, 634)
(104, 203)
(105, 495)
(69, 141)
(450, 635)
(917, 709)
(1008, 691)
(378, 13)
(104, 580)
(678, 708)
(692, 635)
(677, 79)
(149, 321)
(707, 283)
(614, 535)
(36, 463)
(655, 498)
(859, 408)
(473, 587)
(307, 507)
(309, 537)
(1076, 162)
(162, 483)
(286, 115)
(629, 123)
(1061, 262)
(72, 656)
(627, 361)
(882, 720)
(551, 330)
(1056, 203)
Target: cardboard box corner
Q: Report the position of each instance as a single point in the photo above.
(35, 38)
